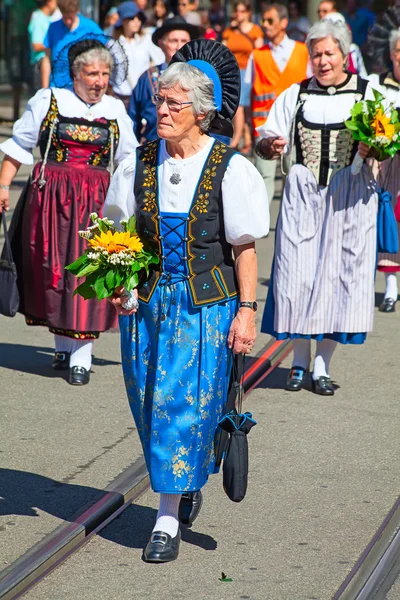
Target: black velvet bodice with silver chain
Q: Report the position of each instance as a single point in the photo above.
(325, 149)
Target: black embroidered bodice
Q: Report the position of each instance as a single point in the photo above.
(208, 257)
(77, 140)
(325, 149)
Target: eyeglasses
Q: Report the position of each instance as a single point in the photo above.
(173, 105)
(270, 21)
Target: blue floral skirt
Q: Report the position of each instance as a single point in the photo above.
(177, 367)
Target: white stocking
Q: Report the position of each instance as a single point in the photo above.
(81, 354)
(392, 290)
(323, 355)
(167, 516)
(301, 353)
(63, 343)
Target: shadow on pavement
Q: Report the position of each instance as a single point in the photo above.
(25, 493)
(36, 360)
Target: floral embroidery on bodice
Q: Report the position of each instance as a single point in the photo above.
(78, 140)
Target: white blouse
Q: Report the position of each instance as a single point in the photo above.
(26, 130)
(318, 108)
(391, 94)
(140, 52)
(244, 197)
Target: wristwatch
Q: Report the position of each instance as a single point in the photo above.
(252, 305)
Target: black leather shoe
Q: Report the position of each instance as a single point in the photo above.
(388, 305)
(79, 376)
(189, 507)
(323, 386)
(61, 361)
(296, 379)
(162, 547)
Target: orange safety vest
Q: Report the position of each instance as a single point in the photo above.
(269, 81)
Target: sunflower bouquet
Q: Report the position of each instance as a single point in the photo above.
(114, 259)
(376, 125)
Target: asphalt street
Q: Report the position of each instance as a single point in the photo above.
(323, 472)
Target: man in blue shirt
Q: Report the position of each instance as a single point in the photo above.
(71, 27)
(174, 33)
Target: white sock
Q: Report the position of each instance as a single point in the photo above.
(392, 291)
(167, 516)
(81, 354)
(323, 355)
(301, 353)
(63, 343)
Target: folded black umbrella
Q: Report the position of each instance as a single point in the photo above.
(236, 452)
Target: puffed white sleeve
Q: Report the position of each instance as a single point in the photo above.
(120, 200)
(281, 116)
(127, 140)
(26, 130)
(245, 202)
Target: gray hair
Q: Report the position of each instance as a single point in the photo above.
(199, 87)
(393, 39)
(91, 56)
(326, 28)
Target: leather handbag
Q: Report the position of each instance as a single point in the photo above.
(237, 425)
(9, 296)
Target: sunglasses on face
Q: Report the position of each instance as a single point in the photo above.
(174, 105)
(270, 21)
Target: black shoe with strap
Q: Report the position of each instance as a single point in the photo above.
(189, 507)
(388, 305)
(162, 547)
(61, 361)
(79, 376)
(323, 386)
(296, 379)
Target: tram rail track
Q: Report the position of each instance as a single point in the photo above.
(127, 487)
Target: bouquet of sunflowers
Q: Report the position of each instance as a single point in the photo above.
(377, 126)
(114, 259)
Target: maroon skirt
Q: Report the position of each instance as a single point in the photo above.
(52, 217)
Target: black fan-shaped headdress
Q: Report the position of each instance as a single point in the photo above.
(378, 38)
(62, 63)
(217, 62)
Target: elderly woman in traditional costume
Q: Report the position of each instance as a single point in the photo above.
(388, 83)
(81, 134)
(201, 206)
(322, 285)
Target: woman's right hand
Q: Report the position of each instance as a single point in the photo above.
(4, 200)
(118, 298)
(272, 148)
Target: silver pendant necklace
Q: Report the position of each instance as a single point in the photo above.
(175, 178)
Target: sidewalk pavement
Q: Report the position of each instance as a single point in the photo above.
(323, 473)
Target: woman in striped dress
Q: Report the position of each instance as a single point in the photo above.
(388, 83)
(323, 273)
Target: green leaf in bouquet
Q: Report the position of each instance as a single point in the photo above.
(85, 290)
(100, 288)
(136, 266)
(110, 281)
(102, 226)
(88, 269)
(131, 226)
(357, 109)
(377, 95)
(131, 282)
(77, 264)
(118, 279)
(352, 125)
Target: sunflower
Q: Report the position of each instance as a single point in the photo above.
(117, 242)
(382, 126)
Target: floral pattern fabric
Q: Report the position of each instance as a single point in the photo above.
(176, 368)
